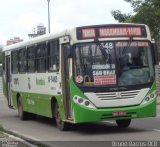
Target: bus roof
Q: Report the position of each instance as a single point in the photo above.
(35, 40)
(71, 32)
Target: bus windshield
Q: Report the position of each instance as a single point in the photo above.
(113, 63)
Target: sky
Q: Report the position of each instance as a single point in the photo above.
(19, 17)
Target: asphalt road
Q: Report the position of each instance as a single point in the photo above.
(44, 129)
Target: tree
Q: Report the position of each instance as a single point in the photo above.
(145, 11)
(120, 17)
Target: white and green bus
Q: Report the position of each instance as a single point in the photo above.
(85, 74)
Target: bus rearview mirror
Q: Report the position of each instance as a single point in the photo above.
(68, 51)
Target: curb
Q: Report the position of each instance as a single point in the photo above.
(9, 136)
(31, 142)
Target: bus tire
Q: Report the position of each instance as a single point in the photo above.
(61, 125)
(124, 123)
(21, 113)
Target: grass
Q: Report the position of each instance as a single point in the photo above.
(2, 134)
(3, 131)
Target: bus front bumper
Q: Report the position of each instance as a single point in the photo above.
(84, 114)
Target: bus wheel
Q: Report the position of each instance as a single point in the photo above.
(62, 126)
(124, 123)
(22, 114)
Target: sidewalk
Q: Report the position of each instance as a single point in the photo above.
(7, 140)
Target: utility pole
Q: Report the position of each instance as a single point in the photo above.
(48, 16)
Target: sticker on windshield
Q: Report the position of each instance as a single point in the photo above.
(102, 70)
(107, 46)
(105, 80)
(103, 66)
(79, 79)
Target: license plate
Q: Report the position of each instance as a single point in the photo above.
(119, 113)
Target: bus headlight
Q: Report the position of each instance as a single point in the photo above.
(150, 97)
(83, 102)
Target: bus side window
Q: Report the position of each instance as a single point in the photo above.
(31, 59)
(22, 60)
(53, 55)
(41, 57)
(14, 61)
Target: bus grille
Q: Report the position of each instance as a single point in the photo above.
(117, 99)
(117, 95)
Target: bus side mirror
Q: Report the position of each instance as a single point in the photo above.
(68, 51)
(155, 52)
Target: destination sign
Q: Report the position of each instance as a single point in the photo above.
(120, 31)
(111, 31)
(88, 33)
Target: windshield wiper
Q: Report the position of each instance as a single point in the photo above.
(106, 55)
(124, 51)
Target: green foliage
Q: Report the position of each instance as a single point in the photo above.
(135, 3)
(145, 11)
(119, 16)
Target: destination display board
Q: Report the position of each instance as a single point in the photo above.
(91, 32)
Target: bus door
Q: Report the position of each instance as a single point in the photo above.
(8, 80)
(66, 67)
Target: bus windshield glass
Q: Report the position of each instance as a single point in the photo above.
(113, 63)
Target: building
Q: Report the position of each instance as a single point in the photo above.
(39, 30)
(14, 40)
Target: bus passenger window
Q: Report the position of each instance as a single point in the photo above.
(22, 60)
(31, 59)
(14, 62)
(41, 57)
(53, 55)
